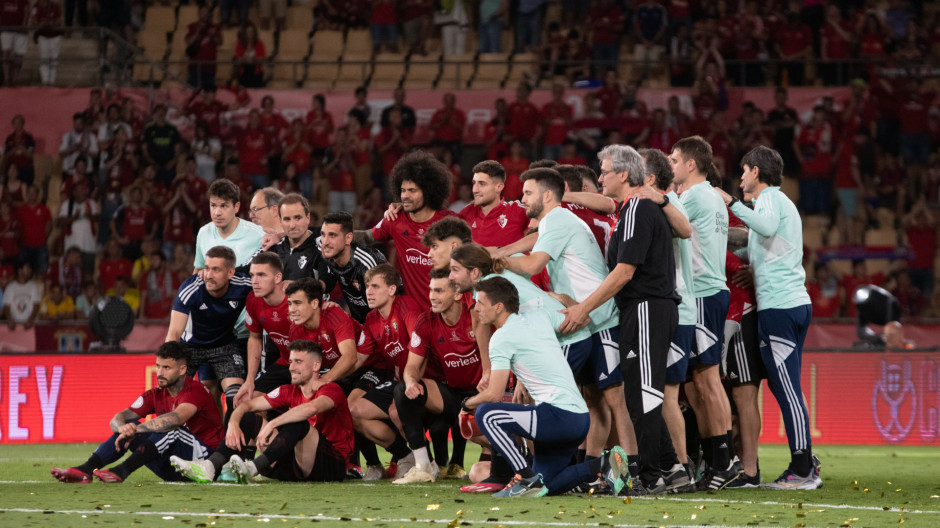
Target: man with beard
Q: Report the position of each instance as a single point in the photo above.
(346, 262)
(186, 425)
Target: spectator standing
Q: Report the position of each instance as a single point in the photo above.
(912, 300)
(524, 118)
(14, 14)
(813, 146)
(18, 149)
(556, 119)
(782, 119)
(203, 38)
(408, 119)
(454, 23)
(392, 142)
(47, 14)
(515, 164)
(384, 26)
(607, 21)
(275, 127)
(21, 299)
(319, 129)
(297, 151)
(78, 143)
(178, 212)
(133, 223)
(448, 124)
(610, 94)
(79, 7)
(529, 25)
(13, 190)
(835, 45)
(160, 144)
(921, 227)
(227, 6)
(108, 129)
(208, 152)
(496, 133)
(112, 266)
(206, 109)
(249, 57)
(87, 300)
(492, 15)
(361, 144)
(36, 222)
(340, 173)
(157, 289)
(651, 24)
(253, 148)
(78, 217)
(825, 290)
(10, 233)
(794, 46)
(416, 23)
(276, 7)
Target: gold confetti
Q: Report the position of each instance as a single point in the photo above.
(665, 515)
(702, 507)
(627, 500)
(693, 516)
(899, 489)
(494, 508)
(433, 506)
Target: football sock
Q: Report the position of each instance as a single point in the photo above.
(230, 393)
(287, 437)
(801, 462)
(526, 472)
(459, 444)
(485, 457)
(220, 457)
(633, 465)
(399, 448)
(422, 460)
(439, 430)
(368, 449)
(94, 462)
(721, 452)
(500, 468)
(581, 456)
(145, 452)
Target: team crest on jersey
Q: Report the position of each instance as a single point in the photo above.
(326, 337)
(274, 317)
(138, 403)
(472, 335)
(355, 284)
(502, 220)
(415, 340)
(394, 326)
(421, 232)
(302, 261)
(249, 320)
(453, 336)
(233, 304)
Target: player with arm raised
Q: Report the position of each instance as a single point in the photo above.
(187, 424)
(309, 442)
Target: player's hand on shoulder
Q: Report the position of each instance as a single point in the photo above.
(647, 192)
(330, 304)
(392, 212)
(724, 196)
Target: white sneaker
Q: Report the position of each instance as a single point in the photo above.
(374, 472)
(195, 470)
(414, 475)
(244, 471)
(435, 470)
(405, 465)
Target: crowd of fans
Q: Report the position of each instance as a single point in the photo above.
(132, 186)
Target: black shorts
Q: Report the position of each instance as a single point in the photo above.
(365, 379)
(382, 395)
(452, 398)
(328, 466)
(273, 377)
(221, 362)
(741, 359)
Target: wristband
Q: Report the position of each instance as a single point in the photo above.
(665, 202)
(732, 202)
(463, 405)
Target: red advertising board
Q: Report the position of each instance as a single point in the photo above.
(853, 397)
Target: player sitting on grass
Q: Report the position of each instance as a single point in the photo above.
(525, 345)
(311, 441)
(187, 424)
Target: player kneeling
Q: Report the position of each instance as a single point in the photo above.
(187, 424)
(310, 441)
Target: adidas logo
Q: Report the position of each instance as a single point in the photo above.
(631, 354)
(602, 377)
(763, 343)
(724, 445)
(732, 376)
(203, 307)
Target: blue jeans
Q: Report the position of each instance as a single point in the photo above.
(815, 195)
(491, 37)
(528, 30)
(556, 433)
(384, 33)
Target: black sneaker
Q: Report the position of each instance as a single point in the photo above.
(718, 479)
(816, 478)
(635, 489)
(676, 477)
(745, 481)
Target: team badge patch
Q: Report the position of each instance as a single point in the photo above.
(233, 304)
(275, 393)
(415, 340)
(502, 220)
(138, 403)
(302, 261)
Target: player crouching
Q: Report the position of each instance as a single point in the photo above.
(311, 441)
(187, 424)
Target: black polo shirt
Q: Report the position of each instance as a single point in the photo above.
(643, 238)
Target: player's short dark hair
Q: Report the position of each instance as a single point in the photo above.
(223, 252)
(571, 175)
(344, 219)
(491, 168)
(225, 189)
(293, 198)
(449, 226)
(272, 196)
(543, 164)
(389, 274)
(769, 163)
(658, 165)
(440, 273)
(428, 173)
(548, 179)
(308, 346)
(587, 173)
(174, 350)
(309, 286)
(500, 290)
(475, 256)
(269, 258)
(695, 148)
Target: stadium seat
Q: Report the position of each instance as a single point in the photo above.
(189, 14)
(508, 40)
(552, 13)
(389, 71)
(327, 44)
(154, 44)
(43, 165)
(456, 72)
(812, 238)
(293, 48)
(358, 42)
(523, 67)
(300, 17)
(885, 217)
(881, 237)
(791, 188)
(422, 72)
(492, 69)
(159, 19)
(354, 71)
(146, 71)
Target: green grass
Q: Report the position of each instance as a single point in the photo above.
(864, 486)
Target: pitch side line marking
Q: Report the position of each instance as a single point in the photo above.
(330, 518)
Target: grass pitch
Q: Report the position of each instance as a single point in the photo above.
(864, 486)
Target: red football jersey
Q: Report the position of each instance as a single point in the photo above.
(137, 222)
(505, 224)
(601, 225)
(454, 347)
(742, 301)
(411, 256)
(259, 315)
(335, 327)
(386, 340)
(206, 424)
(109, 270)
(335, 424)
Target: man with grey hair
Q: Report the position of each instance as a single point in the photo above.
(262, 209)
(642, 281)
